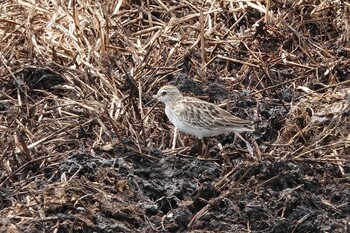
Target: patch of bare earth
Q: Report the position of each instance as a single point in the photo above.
(80, 151)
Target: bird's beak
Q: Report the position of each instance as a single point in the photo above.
(154, 100)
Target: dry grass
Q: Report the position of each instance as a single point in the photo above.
(75, 76)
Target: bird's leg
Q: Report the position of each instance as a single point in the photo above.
(200, 146)
(174, 139)
(206, 153)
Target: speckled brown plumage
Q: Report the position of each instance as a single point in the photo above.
(197, 117)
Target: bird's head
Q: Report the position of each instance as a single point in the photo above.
(168, 94)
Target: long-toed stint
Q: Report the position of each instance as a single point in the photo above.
(199, 118)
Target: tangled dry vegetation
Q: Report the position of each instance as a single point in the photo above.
(81, 152)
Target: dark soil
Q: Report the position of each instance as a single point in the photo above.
(120, 190)
(82, 149)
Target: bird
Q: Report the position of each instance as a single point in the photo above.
(197, 117)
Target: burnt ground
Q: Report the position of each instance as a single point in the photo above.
(82, 151)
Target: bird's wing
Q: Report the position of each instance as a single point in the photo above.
(207, 115)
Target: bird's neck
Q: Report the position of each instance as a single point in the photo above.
(175, 100)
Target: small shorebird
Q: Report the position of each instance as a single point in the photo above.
(197, 117)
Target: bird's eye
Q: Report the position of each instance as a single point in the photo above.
(164, 93)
